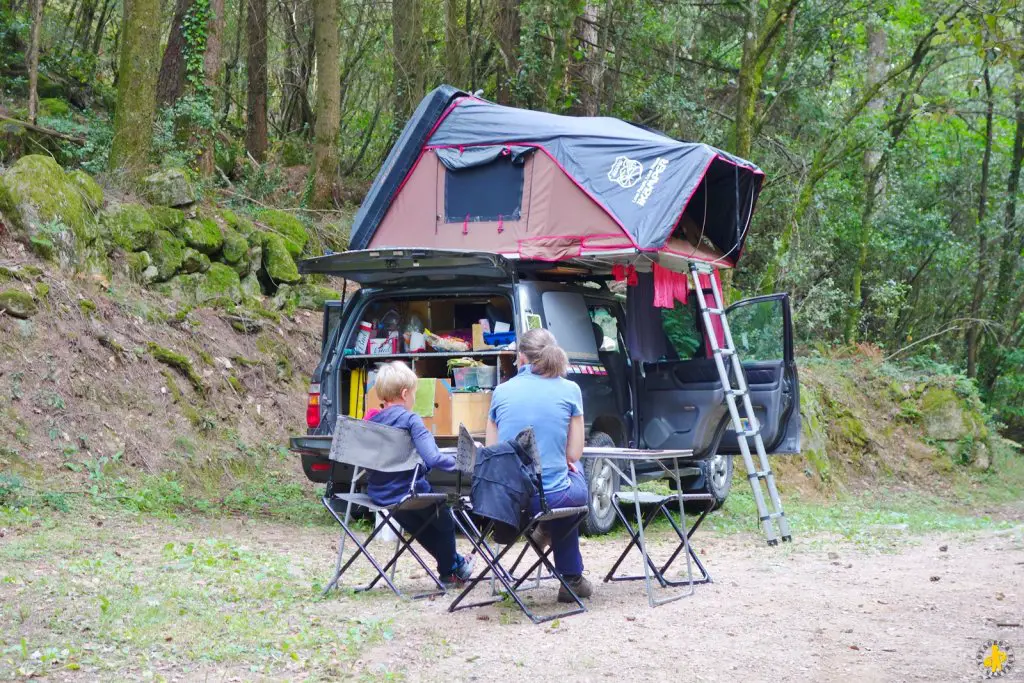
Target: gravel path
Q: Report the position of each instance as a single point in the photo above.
(817, 610)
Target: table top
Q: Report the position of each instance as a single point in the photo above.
(638, 454)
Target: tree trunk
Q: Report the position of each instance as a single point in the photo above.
(507, 27)
(591, 68)
(978, 297)
(33, 61)
(137, 71)
(454, 45)
(256, 65)
(407, 37)
(211, 76)
(1013, 234)
(874, 176)
(101, 27)
(171, 82)
(84, 29)
(233, 64)
(328, 102)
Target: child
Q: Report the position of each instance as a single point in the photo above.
(396, 387)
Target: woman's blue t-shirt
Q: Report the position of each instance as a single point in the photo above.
(546, 404)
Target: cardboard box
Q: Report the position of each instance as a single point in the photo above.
(449, 408)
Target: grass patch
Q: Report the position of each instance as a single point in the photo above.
(126, 606)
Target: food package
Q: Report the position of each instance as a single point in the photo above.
(363, 338)
(446, 343)
(384, 346)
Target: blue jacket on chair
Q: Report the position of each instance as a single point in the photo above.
(503, 485)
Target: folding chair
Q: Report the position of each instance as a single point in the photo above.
(369, 446)
(526, 449)
(657, 505)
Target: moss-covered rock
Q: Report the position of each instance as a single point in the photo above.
(193, 261)
(54, 107)
(91, 191)
(129, 226)
(167, 252)
(220, 284)
(941, 414)
(169, 188)
(278, 264)
(37, 198)
(288, 227)
(312, 297)
(237, 222)
(17, 303)
(167, 218)
(236, 248)
(202, 234)
(137, 264)
(251, 286)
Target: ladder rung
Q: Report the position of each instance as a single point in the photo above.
(749, 433)
(773, 515)
(736, 393)
(725, 352)
(714, 311)
(759, 475)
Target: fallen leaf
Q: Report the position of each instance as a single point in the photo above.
(934, 578)
(854, 647)
(483, 617)
(943, 548)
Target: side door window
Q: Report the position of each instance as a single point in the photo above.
(761, 328)
(762, 332)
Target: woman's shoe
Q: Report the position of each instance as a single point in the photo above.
(580, 586)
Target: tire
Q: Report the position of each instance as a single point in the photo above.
(716, 476)
(602, 483)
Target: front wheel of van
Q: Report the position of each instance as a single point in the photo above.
(603, 484)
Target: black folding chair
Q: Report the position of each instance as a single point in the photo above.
(369, 446)
(525, 446)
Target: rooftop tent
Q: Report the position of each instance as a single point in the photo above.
(470, 174)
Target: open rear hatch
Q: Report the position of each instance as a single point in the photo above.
(381, 267)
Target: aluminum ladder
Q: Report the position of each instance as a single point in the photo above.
(773, 521)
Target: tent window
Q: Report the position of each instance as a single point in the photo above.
(484, 193)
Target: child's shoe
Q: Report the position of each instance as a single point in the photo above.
(460, 574)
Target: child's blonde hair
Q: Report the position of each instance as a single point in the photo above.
(392, 379)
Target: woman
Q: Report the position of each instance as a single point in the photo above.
(540, 397)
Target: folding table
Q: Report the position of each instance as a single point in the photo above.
(668, 462)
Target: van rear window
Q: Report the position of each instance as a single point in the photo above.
(569, 320)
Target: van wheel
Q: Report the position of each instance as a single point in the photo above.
(717, 471)
(603, 483)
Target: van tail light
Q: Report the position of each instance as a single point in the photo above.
(313, 407)
(321, 467)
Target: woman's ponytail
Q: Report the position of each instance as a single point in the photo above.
(543, 352)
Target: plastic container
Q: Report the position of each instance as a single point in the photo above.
(482, 377)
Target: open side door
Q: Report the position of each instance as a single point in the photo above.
(762, 331)
(409, 267)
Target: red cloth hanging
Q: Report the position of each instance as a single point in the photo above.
(669, 287)
(501, 225)
(625, 274)
(632, 279)
(465, 225)
(664, 288)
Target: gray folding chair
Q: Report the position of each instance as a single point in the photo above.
(369, 446)
(526, 449)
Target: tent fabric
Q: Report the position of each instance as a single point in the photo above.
(455, 159)
(646, 184)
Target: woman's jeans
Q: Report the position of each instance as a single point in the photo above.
(566, 543)
(438, 538)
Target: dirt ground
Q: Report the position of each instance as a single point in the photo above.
(820, 609)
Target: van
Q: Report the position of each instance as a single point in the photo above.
(675, 402)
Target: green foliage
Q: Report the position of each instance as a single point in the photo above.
(681, 327)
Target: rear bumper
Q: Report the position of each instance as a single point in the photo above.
(314, 450)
